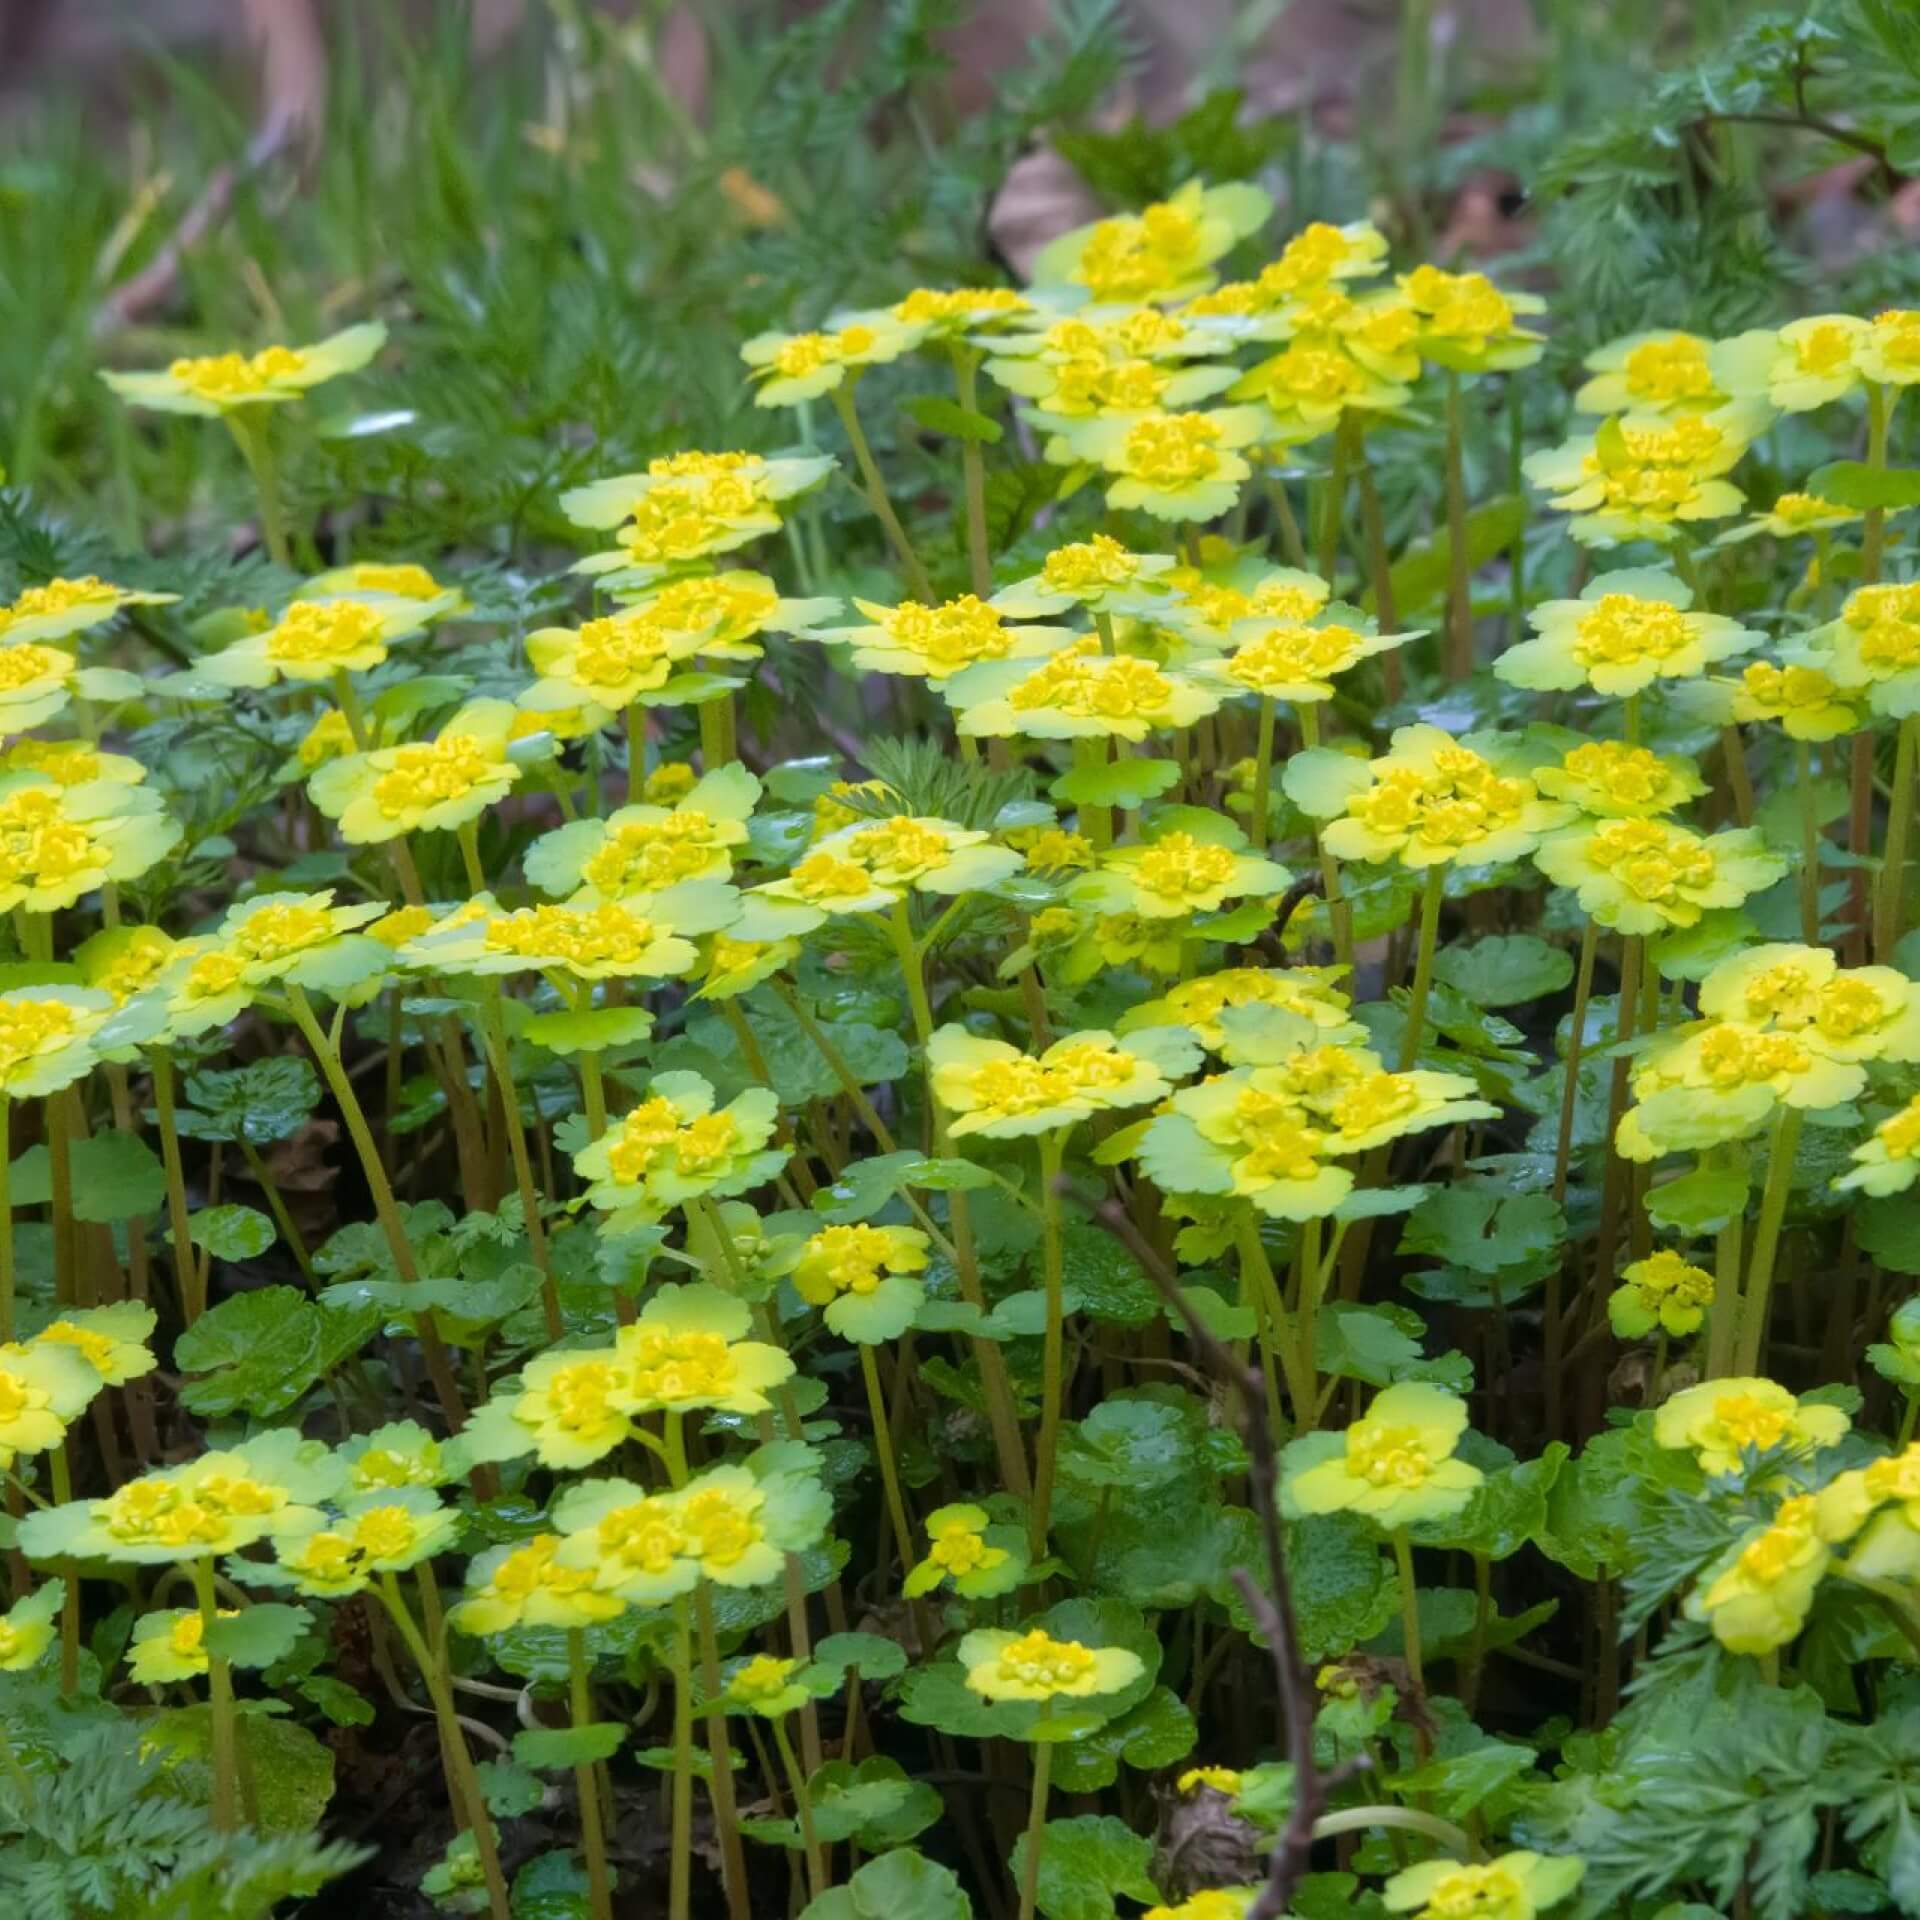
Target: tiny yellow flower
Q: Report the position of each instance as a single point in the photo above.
(223, 383)
(1803, 365)
(792, 367)
(27, 1627)
(528, 1586)
(314, 640)
(919, 642)
(1628, 629)
(1513, 1886)
(1164, 253)
(1640, 875)
(865, 1278)
(1610, 780)
(1470, 325)
(995, 1090)
(1805, 701)
(960, 1551)
(1225, 1780)
(1719, 1420)
(1662, 1292)
(60, 607)
(1077, 693)
(426, 785)
(1888, 1160)
(1395, 1465)
(1757, 1597)
(169, 1646)
(1874, 647)
(765, 1686)
(112, 1340)
(1035, 1666)
(1889, 350)
(1661, 372)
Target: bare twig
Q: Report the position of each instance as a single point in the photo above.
(1271, 1611)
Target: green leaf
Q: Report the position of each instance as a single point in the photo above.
(1419, 580)
(862, 1189)
(1344, 1589)
(590, 1030)
(1320, 781)
(545, 1747)
(1508, 1509)
(1116, 783)
(1127, 1443)
(1156, 1733)
(509, 1790)
(1852, 483)
(259, 1635)
(902, 1885)
(1889, 1230)
(1483, 1229)
(292, 1772)
(1085, 1864)
(231, 1233)
(259, 1352)
(940, 415)
(1699, 1203)
(1504, 969)
(116, 1176)
(871, 1655)
(260, 1103)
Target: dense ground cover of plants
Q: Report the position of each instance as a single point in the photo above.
(1076, 1097)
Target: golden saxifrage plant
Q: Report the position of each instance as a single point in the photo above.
(752, 1388)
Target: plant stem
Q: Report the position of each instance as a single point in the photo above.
(1052, 1146)
(1873, 530)
(1408, 1819)
(254, 439)
(1781, 1148)
(1582, 993)
(6, 1220)
(680, 1855)
(1723, 1317)
(439, 1367)
(1423, 966)
(802, 1806)
(876, 490)
(494, 1026)
(179, 1239)
(1409, 1608)
(966, 363)
(463, 1789)
(883, 1448)
(1096, 822)
(726, 1818)
(226, 1804)
(1262, 776)
(1459, 600)
(1339, 913)
(1889, 901)
(592, 1836)
(1036, 1823)
(1810, 842)
(1296, 1360)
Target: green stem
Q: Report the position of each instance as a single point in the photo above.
(876, 489)
(1889, 902)
(1810, 843)
(446, 1385)
(1477, 1646)
(463, 1788)
(1096, 822)
(468, 835)
(1053, 1349)
(1630, 719)
(1295, 1358)
(1407, 1819)
(179, 1238)
(348, 701)
(6, 1220)
(277, 1205)
(226, 1801)
(1459, 601)
(1262, 776)
(802, 1806)
(1723, 1316)
(1409, 1609)
(1339, 913)
(1873, 530)
(494, 1026)
(680, 1852)
(62, 1474)
(1582, 993)
(1781, 1148)
(966, 363)
(1335, 501)
(883, 1449)
(1430, 899)
(254, 439)
(1036, 1823)
(593, 1838)
(733, 1853)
